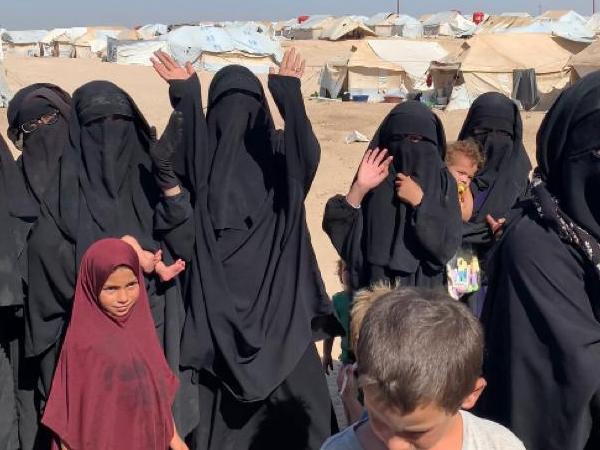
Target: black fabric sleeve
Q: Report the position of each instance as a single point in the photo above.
(343, 224)
(439, 229)
(301, 147)
(174, 224)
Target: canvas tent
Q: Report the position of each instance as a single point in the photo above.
(93, 43)
(497, 24)
(586, 61)
(23, 43)
(487, 62)
(348, 27)
(565, 24)
(133, 52)
(60, 42)
(312, 28)
(448, 23)
(151, 31)
(211, 48)
(593, 24)
(388, 24)
(381, 67)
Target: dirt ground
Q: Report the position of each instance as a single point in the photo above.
(332, 122)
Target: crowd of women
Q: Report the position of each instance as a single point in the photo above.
(97, 353)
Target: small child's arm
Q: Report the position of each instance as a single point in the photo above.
(466, 201)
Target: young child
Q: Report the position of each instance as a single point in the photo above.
(152, 262)
(464, 159)
(112, 388)
(341, 304)
(419, 363)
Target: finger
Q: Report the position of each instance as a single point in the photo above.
(302, 68)
(388, 161)
(367, 157)
(380, 156)
(166, 60)
(271, 70)
(189, 68)
(401, 176)
(502, 221)
(284, 61)
(297, 61)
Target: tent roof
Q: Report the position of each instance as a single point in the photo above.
(24, 37)
(501, 53)
(343, 26)
(383, 18)
(98, 33)
(315, 22)
(589, 57)
(65, 35)
(494, 24)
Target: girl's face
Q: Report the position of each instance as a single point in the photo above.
(119, 293)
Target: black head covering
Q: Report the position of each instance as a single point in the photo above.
(388, 237)
(105, 184)
(495, 122)
(242, 161)
(43, 148)
(17, 213)
(254, 286)
(567, 152)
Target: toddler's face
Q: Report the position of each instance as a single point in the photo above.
(462, 168)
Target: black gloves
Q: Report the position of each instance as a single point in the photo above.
(163, 151)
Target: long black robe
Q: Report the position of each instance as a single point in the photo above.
(495, 122)
(104, 188)
(255, 296)
(542, 311)
(386, 239)
(17, 214)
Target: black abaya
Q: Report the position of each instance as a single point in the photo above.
(495, 122)
(104, 188)
(542, 312)
(386, 239)
(256, 298)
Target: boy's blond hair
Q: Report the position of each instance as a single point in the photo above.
(470, 148)
(361, 303)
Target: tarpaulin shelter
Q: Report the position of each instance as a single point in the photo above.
(312, 28)
(60, 42)
(23, 43)
(389, 24)
(487, 63)
(151, 31)
(586, 61)
(448, 23)
(348, 27)
(211, 48)
(381, 67)
(94, 42)
(134, 52)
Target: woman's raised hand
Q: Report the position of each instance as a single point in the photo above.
(169, 69)
(373, 169)
(292, 65)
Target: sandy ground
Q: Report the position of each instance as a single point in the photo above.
(332, 122)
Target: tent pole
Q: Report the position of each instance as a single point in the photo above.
(398, 7)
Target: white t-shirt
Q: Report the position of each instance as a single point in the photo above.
(478, 434)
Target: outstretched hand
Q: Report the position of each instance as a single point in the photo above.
(496, 226)
(169, 69)
(292, 65)
(162, 152)
(373, 169)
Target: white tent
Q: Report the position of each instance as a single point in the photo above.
(212, 48)
(389, 24)
(152, 31)
(348, 27)
(134, 52)
(5, 92)
(23, 43)
(593, 24)
(312, 28)
(382, 67)
(448, 23)
(59, 42)
(94, 42)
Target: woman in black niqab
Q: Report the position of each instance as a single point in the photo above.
(495, 122)
(42, 148)
(105, 188)
(387, 239)
(542, 312)
(256, 298)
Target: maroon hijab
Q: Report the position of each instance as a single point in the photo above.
(112, 387)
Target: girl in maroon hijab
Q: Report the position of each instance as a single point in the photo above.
(112, 388)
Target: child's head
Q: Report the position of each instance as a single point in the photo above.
(119, 292)
(464, 159)
(419, 361)
(361, 303)
(342, 273)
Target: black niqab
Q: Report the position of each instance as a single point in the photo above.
(542, 314)
(254, 284)
(495, 122)
(41, 149)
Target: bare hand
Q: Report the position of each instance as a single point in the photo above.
(495, 225)
(373, 169)
(169, 69)
(408, 190)
(292, 65)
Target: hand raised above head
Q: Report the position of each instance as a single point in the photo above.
(169, 69)
(292, 65)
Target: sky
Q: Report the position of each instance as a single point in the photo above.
(44, 14)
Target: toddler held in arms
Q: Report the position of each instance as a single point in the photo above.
(464, 159)
(152, 262)
(419, 358)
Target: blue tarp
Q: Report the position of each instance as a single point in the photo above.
(571, 31)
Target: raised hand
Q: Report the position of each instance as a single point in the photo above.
(169, 69)
(373, 169)
(292, 65)
(408, 190)
(162, 152)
